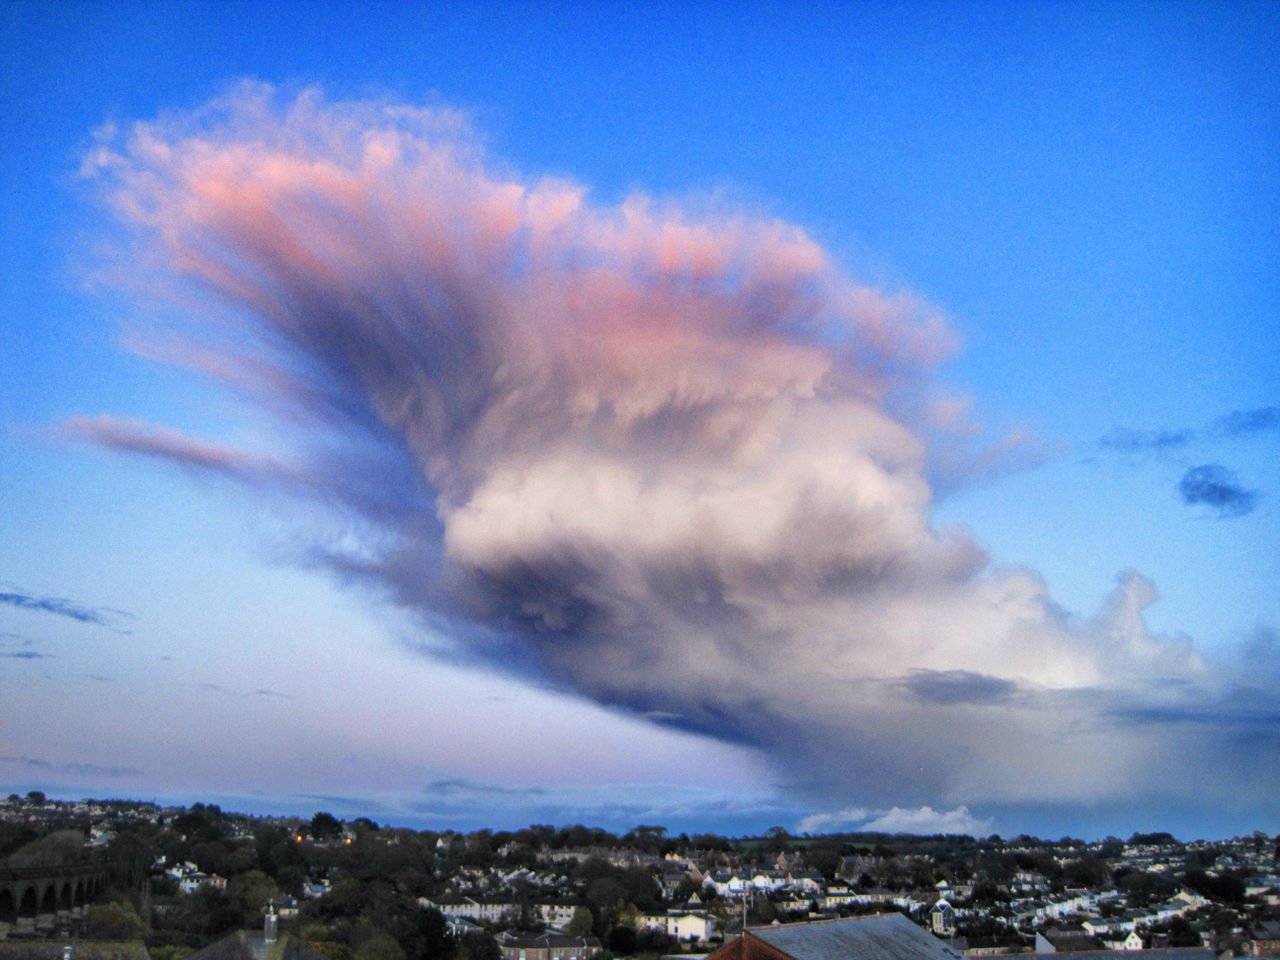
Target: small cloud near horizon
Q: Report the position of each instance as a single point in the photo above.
(455, 787)
(926, 820)
(260, 692)
(920, 820)
(74, 768)
(1237, 423)
(1214, 486)
(62, 607)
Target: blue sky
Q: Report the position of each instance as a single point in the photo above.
(947, 334)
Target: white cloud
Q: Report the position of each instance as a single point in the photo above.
(923, 820)
(832, 822)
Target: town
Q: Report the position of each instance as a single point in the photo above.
(178, 881)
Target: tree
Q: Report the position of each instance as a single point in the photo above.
(602, 894)
(1142, 888)
(1226, 888)
(277, 851)
(113, 921)
(1203, 858)
(205, 915)
(684, 890)
(131, 856)
(653, 942)
(380, 946)
(1159, 838)
(58, 847)
(325, 826)
(202, 824)
(331, 949)
(424, 934)
(477, 946)
(762, 911)
(291, 879)
(580, 924)
(921, 872)
(710, 841)
(648, 839)
(479, 848)
(1182, 934)
(249, 891)
(622, 941)
(824, 855)
(1091, 872)
(36, 797)
(776, 840)
(1112, 847)
(212, 856)
(985, 892)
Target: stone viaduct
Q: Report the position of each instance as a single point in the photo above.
(38, 897)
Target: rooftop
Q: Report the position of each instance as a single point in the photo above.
(882, 937)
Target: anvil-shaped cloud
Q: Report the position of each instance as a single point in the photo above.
(665, 455)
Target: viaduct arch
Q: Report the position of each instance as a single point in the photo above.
(35, 892)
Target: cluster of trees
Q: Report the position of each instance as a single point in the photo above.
(34, 797)
(376, 875)
(1225, 887)
(373, 920)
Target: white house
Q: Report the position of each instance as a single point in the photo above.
(195, 881)
(691, 926)
(556, 914)
(942, 918)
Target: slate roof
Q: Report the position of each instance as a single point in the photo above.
(236, 946)
(888, 936)
(80, 950)
(1165, 953)
(297, 950)
(250, 945)
(550, 940)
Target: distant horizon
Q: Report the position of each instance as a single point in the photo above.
(346, 816)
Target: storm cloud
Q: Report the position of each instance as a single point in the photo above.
(665, 455)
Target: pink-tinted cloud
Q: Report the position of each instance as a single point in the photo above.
(655, 457)
(165, 443)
